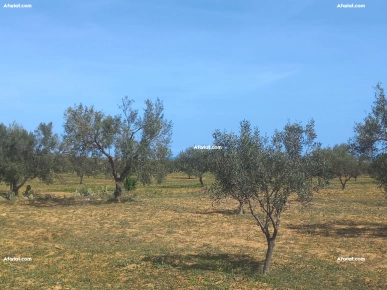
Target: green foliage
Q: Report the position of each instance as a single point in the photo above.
(379, 170)
(11, 195)
(370, 136)
(26, 155)
(84, 165)
(263, 174)
(85, 191)
(130, 143)
(194, 162)
(103, 190)
(130, 184)
(341, 163)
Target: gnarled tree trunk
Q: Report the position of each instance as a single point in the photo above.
(118, 191)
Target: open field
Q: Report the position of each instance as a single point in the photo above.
(171, 236)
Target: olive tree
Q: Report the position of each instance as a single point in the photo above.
(378, 171)
(128, 141)
(84, 165)
(264, 174)
(194, 162)
(344, 165)
(26, 155)
(371, 136)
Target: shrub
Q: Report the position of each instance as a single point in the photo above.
(103, 191)
(83, 192)
(130, 184)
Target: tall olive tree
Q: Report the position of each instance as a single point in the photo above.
(265, 173)
(371, 136)
(26, 155)
(379, 170)
(130, 142)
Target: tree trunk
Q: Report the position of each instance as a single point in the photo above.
(118, 191)
(269, 254)
(81, 178)
(201, 181)
(241, 211)
(342, 183)
(15, 188)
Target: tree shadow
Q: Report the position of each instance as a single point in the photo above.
(226, 263)
(64, 202)
(343, 228)
(219, 211)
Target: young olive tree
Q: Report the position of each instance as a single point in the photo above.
(84, 165)
(344, 164)
(264, 174)
(194, 162)
(129, 142)
(322, 171)
(26, 155)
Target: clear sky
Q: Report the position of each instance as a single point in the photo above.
(213, 63)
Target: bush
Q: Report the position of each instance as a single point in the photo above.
(103, 191)
(83, 192)
(130, 184)
(11, 195)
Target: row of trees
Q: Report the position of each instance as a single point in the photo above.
(363, 154)
(263, 173)
(257, 171)
(93, 143)
(339, 162)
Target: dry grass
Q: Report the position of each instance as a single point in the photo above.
(171, 237)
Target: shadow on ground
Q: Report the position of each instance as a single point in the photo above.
(62, 202)
(226, 263)
(343, 228)
(219, 211)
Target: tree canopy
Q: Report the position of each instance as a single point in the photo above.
(194, 162)
(371, 135)
(263, 174)
(26, 155)
(128, 141)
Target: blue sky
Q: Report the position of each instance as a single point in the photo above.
(213, 63)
